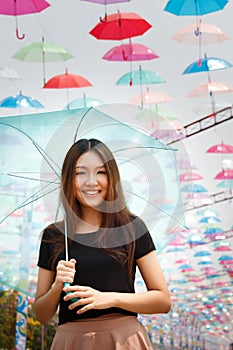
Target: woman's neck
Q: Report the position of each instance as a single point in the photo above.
(91, 220)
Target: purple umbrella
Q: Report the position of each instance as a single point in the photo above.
(106, 2)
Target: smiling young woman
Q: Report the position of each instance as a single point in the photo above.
(106, 243)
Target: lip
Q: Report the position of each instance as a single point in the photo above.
(90, 192)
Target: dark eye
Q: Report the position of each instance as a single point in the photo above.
(102, 172)
(80, 173)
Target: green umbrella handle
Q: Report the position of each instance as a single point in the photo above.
(67, 284)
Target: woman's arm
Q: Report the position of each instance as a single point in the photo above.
(49, 288)
(155, 300)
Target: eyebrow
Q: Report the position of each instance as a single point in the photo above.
(84, 167)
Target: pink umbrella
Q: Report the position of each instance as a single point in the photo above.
(220, 148)
(21, 7)
(192, 32)
(190, 177)
(185, 164)
(130, 52)
(213, 87)
(225, 175)
(152, 97)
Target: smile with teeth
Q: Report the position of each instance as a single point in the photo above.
(91, 193)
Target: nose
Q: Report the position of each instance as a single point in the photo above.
(91, 179)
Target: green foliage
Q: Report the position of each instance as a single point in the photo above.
(36, 333)
(7, 319)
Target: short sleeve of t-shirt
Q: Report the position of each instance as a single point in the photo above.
(46, 252)
(144, 241)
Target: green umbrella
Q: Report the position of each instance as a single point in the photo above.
(42, 52)
(140, 77)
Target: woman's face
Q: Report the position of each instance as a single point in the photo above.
(91, 180)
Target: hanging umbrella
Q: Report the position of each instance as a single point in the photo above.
(200, 33)
(224, 175)
(140, 77)
(67, 81)
(21, 7)
(213, 87)
(193, 188)
(220, 148)
(130, 52)
(222, 246)
(43, 147)
(208, 33)
(186, 164)
(8, 73)
(190, 177)
(207, 64)
(151, 97)
(194, 7)
(119, 26)
(106, 2)
(83, 102)
(226, 184)
(20, 101)
(44, 51)
(209, 220)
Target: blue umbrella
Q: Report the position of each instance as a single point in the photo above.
(194, 7)
(20, 101)
(207, 64)
(140, 77)
(202, 253)
(226, 184)
(209, 220)
(193, 188)
(83, 102)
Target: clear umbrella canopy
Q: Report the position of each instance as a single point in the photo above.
(30, 187)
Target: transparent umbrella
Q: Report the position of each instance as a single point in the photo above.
(147, 181)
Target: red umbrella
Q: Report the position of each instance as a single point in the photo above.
(65, 81)
(120, 26)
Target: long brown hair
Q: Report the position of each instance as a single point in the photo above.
(116, 217)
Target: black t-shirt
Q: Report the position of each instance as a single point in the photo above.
(95, 268)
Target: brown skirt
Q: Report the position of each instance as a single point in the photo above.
(107, 333)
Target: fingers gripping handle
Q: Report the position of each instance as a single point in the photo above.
(67, 284)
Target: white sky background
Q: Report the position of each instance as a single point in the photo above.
(68, 23)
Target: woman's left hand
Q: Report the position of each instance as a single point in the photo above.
(89, 298)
